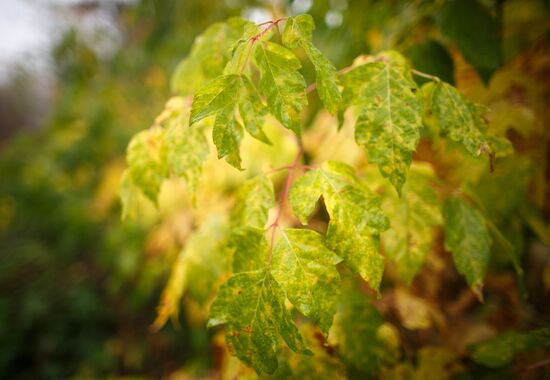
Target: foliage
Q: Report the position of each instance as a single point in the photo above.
(280, 271)
(339, 249)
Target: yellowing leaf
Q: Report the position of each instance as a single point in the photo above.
(209, 55)
(227, 135)
(413, 218)
(390, 120)
(252, 110)
(281, 82)
(253, 202)
(356, 219)
(298, 32)
(218, 95)
(146, 158)
(305, 268)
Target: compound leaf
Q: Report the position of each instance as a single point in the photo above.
(356, 218)
(251, 305)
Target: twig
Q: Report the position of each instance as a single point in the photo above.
(252, 40)
(283, 198)
(424, 75)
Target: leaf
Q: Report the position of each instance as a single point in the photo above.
(459, 118)
(209, 55)
(476, 33)
(186, 150)
(326, 77)
(359, 334)
(253, 202)
(131, 197)
(323, 364)
(252, 110)
(390, 121)
(218, 95)
(281, 83)
(500, 350)
(467, 237)
(298, 32)
(356, 218)
(305, 268)
(227, 135)
(413, 218)
(197, 269)
(146, 159)
(252, 306)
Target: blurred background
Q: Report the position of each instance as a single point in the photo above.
(78, 287)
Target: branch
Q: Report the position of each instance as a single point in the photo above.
(424, 75)
(252, 40)
(283, 198)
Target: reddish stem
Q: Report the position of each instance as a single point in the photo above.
(252, 40)
(283, 198)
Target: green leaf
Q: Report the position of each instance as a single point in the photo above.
(197, 269)
(281, 83)
(252, 110)
(187, 77)
(467, 237)
(146, 159)
(326, 77)
(132, 198)
(227, 135)
(499, 351)
(459, 118)
(253, 202)
(209, 55)
(357, 333)
(252, 306)
(218, 95)
(186, 150)
(413, 218)
(469, 25)
(250, 249)
(298, 32)
(356, 218)
(305, 268)
(390, 120)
